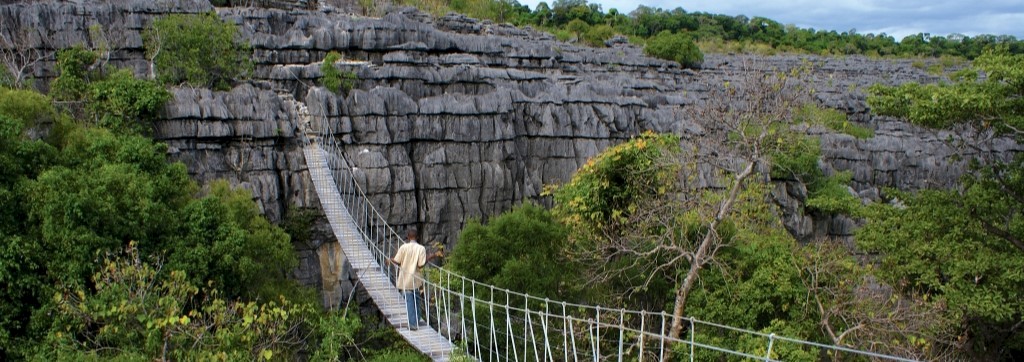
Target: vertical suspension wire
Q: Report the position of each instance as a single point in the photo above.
(622, 331)
(565, 334)
(661, 351)
(572, 337)
(771, 342)
(548, 355)
(693, 333)
(643, 314)
(462, 312)
(492, 344)
(528, 330)
(510, 339)
(437, 304)
(597, 351)
(426, 302)
(448, 305)
(476, 332)
(593, 342)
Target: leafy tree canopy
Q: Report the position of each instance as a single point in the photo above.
(201, 50)
(675, 47)
(718, 31)
(519, 250)
(89, 191)
(993, 101)
(962, 247)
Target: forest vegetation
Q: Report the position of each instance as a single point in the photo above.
(108, 251)
(588, 23)
(934, 274)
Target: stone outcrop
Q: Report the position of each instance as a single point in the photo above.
(453, 119)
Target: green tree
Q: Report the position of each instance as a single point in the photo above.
(339, 82)
(27, 107)
(201, 50)
(519, 250)
(596, 35)
(222, 238)
(623, 205)
(755, 283)
(962, 247)
(992, 102)
(675, 47)
(100, 190)
(138, 311)
(122, 102)
(939, 247)
(74, 65)
(22, 159)
(117, 100)
(577, 27)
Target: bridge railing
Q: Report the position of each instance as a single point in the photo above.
(496, 324)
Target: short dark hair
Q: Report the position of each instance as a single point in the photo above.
(410, 234)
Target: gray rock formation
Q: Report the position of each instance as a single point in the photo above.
(454, 119)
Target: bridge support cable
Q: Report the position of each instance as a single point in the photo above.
(587, 332)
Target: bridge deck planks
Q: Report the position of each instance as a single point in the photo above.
(367, 269)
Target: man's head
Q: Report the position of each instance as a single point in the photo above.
(410, 234)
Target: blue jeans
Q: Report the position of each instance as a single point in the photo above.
(412, 307)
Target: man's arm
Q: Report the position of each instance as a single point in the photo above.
(397, 257)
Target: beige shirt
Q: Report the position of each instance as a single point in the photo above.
(411, 256)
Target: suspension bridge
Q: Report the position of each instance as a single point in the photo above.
(487, 323)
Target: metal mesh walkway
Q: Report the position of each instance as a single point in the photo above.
(371, 275)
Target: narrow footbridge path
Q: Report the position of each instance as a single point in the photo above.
(482, 322)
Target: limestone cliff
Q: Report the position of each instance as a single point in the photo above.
(453, 119)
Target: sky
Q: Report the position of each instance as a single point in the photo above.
(897, 18)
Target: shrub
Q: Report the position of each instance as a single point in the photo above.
(527, 231)
(596, 35)
(611, 186)
(831, 195)
(675, 47)
(121, 101)
(27, 107)
(201, 50)
(796, 158)
(577, 27)
(73, 81)
(332, 78)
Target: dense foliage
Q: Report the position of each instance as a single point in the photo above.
(111, 98)
(760, 280)
(135, 311)
(109, 251)
(962, 248)
(716, 31)
(676, 47)
(90, 192)
(993, 101)
(518, 250)
(339, 82)
(612, 186)
(201, 50)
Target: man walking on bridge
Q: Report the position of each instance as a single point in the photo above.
(411, 257)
